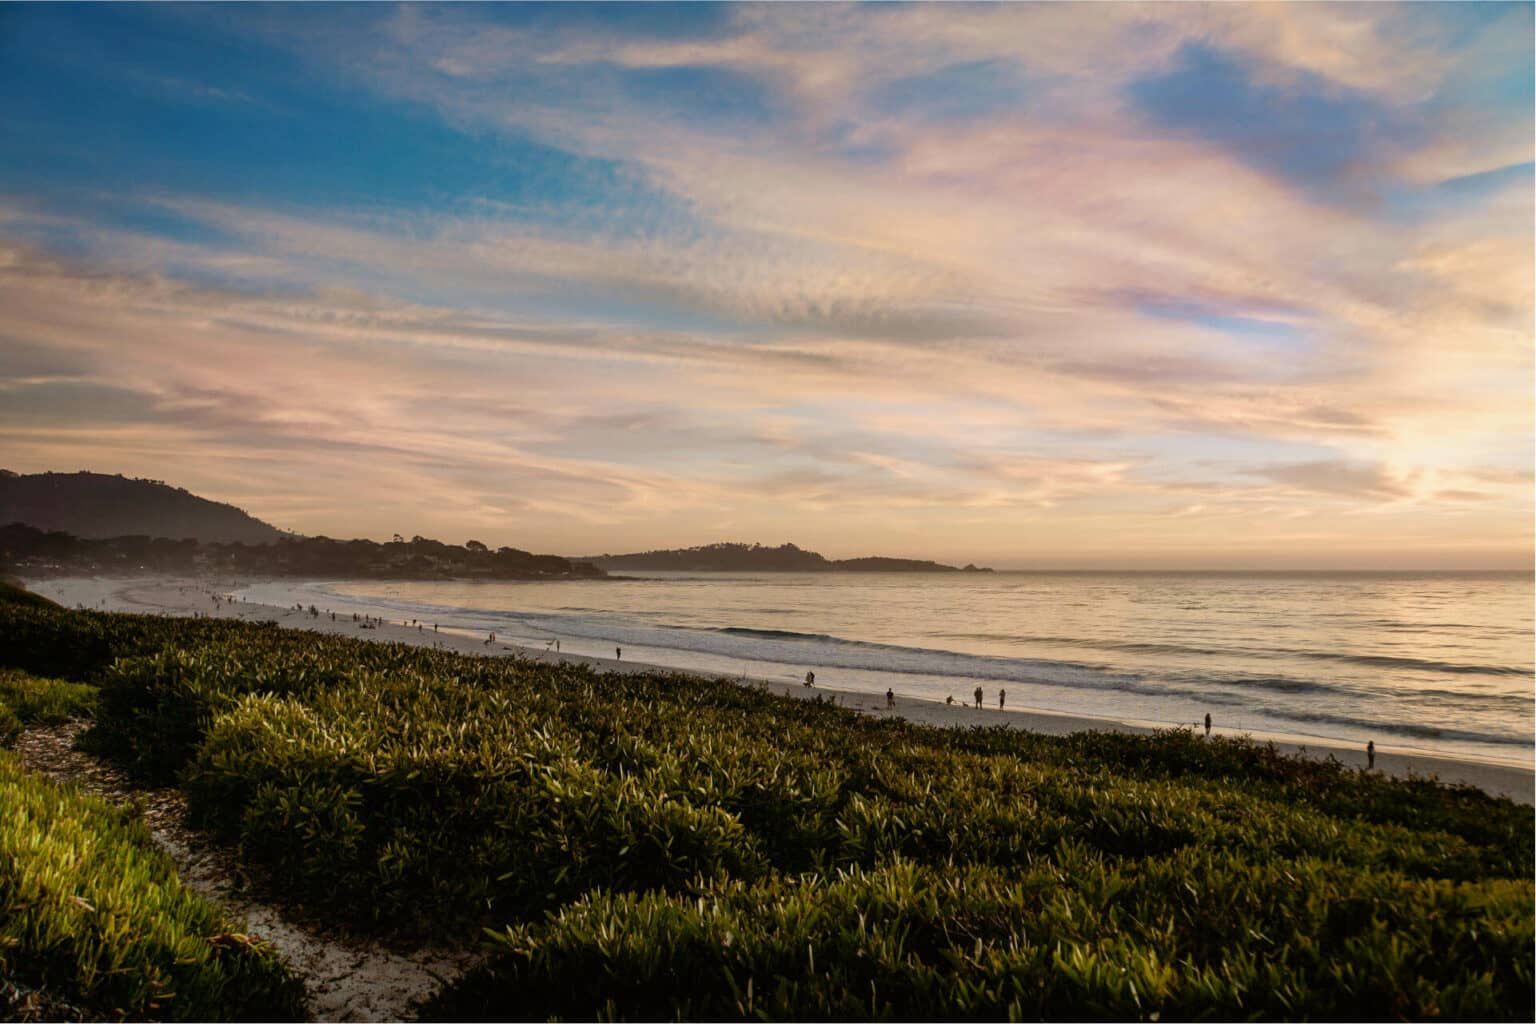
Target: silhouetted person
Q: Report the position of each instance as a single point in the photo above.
(890, 697)
(1207, 725)
(618, 654)
(978, 696)
(950, 699)
(1002, 695)
(810, 680)
(1370, 755)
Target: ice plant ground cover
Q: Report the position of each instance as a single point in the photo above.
(658, 846)
(94, 923)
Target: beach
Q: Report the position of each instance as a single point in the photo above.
(188, 596)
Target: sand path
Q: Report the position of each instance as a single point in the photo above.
(345, 979)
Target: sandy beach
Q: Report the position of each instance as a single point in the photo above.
(187, 596)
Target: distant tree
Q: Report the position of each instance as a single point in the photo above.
(397, 539)
(475, 545)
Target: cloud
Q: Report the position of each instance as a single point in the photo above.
(1341, 479)
(1002, 272)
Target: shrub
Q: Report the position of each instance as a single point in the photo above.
(1076, 936)
(45, 701)
(158, 706)
(12, 592)
(93, 917)
(11, 725)
(431, 803)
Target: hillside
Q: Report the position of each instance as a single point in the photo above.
(95, 505)
(757, 558)
(28, 551)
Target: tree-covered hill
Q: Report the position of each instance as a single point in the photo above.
(95, 505)
(758, 558)
(28, 551)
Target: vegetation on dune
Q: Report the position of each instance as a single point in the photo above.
(1198, 934)
(13, 593)
(94, 924)
(26, 700)
(659, 846)
(37, 701)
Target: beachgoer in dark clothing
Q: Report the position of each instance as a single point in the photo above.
(1370, 755)
(978, 696)
(1002, 695)
(890, 698)
(810, 680)
(1207, 725)
(618, 654)
(950, 699)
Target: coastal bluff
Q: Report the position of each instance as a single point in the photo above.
(738, 557)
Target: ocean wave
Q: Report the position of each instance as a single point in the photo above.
(1428, 665)
(775, 634)
(1415, 730)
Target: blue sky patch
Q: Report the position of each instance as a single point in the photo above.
(1313, 134)
(955, 92)
(119, 99)
(1265, 333)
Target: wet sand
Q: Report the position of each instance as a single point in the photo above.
(184, 597)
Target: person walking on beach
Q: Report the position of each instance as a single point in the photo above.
(1207, 725)
(978, 696)
(1370, 755)
(1002, 695)
(890, 697)
(618, 654)
(810, 680)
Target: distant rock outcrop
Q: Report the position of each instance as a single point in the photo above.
(97, 505)
(757, 558)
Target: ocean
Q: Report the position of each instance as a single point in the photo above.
(1437, 662)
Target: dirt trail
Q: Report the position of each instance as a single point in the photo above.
(347, 979)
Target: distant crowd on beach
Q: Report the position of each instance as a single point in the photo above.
(979, 695)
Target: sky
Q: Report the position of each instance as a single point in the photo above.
(1052, 285)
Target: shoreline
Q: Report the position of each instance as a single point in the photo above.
(185, 596)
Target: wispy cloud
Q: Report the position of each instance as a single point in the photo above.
(937, 275)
